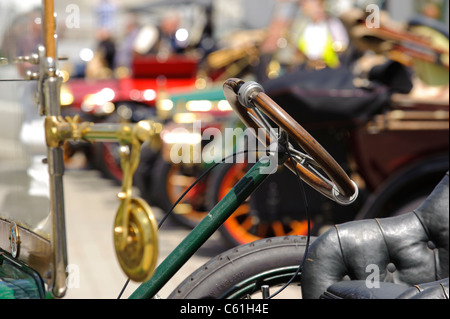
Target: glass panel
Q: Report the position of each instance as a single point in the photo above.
(24, 195)
(18, 281)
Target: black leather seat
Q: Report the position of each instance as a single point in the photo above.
(398, 257)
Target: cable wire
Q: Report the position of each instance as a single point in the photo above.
(308, 236)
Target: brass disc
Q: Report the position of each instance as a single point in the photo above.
(139, 255)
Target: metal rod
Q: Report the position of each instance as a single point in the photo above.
(49, 28)
(51, 92)
(56, 170)
(102, 133)
(265, 290)
(17, 80)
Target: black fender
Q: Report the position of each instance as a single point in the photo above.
(409, 186)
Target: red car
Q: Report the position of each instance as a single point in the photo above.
(150, 76)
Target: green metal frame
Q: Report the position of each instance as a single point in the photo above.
(204, 230)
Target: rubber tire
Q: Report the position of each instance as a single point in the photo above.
(159, 183)
(145, 174)
(220, 274)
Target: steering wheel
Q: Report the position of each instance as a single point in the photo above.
(250, 102)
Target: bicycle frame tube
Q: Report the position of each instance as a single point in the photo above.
(198, 236)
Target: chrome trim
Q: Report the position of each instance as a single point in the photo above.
(247, 92)
(345, 200)
(35, 250)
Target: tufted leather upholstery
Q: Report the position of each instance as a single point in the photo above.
(408, 252)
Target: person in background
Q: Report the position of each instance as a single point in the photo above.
(106, 48)
(160, 39)
(125, 49)
(317, 37)
(102, 65)
(169, 44)
(106, 14)
(283, 17)
(322, 37)
(431, 10)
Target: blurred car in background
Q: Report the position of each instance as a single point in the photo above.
(388, 137)
(402, 141)
(168, 47)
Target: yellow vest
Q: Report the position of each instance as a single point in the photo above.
(330, 57)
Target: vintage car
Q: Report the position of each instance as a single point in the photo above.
(33, 246)
(130, 92)
(390, 137)
(130, 99)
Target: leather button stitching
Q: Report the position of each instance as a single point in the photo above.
(431, 245)
(391, 267)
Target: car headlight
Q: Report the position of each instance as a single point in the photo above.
(199, 106)
(100, 102)
(224, 106)
(184, 118)
(181, 138)
(66, 96)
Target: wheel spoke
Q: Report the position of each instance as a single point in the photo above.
(262, 123)
(302, 157)
(262, 230)
(242, 210)
(248, 223)
(299, 227)
(278, 229)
